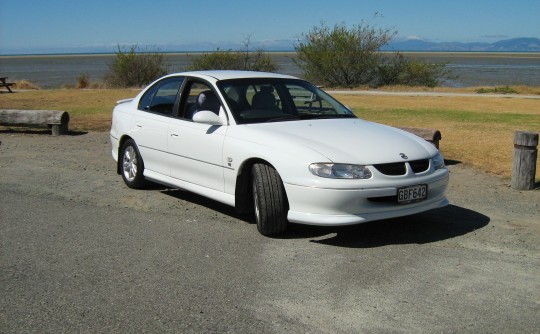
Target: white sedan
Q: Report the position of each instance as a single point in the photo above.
(275, 146)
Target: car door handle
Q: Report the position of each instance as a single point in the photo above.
(174, 135)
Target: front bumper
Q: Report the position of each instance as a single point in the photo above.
(334, 207)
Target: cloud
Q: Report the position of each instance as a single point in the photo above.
(413, 38)
(495, 36)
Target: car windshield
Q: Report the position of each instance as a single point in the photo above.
(262, 100)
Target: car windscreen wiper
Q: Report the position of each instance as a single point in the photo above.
(327, 116)
(283, 118)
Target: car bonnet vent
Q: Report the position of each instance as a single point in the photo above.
(399, 168)
(396, 168)
(419, 166)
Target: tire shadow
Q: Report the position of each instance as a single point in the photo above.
(432, 226)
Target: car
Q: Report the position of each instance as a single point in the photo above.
(275, 147)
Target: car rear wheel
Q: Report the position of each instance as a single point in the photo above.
(269, 200)
(132, 165)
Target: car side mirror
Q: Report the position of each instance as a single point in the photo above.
(207, 117)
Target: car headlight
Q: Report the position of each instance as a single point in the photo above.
(340, 171)
(437, 161)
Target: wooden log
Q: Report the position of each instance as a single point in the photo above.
(56, 119)
(431, 135)
(524, 161)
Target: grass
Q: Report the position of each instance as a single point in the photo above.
(523, 90)
(476, 131)
(497, 90)
(89, 109)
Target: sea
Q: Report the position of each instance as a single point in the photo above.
(468, 68)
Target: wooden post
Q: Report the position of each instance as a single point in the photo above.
(524, 163)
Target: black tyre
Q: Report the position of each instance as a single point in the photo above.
(132, 165)
(269, 200)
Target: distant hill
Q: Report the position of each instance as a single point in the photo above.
(508, 45)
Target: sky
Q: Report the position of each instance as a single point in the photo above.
(44, 26)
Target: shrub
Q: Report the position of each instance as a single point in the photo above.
(351, 57)
(133, 67)
(397, 70)
(83, 81)
(244, 59)
(341, 56)
(24, 84)
(497, 90)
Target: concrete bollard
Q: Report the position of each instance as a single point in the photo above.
(524, 162)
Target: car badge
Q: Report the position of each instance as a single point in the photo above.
(402, 155)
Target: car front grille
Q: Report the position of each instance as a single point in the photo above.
(385, 199)
(399, 168)
(393, 169)
(419, 166)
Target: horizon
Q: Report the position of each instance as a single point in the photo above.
(64, 26)
(387, 48)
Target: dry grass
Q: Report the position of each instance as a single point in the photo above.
(24, 84)
(477, 131)
(89, 109)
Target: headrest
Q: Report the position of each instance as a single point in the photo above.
(267, 89)
(207, 100)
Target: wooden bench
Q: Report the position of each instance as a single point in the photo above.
(431, 135)
(56, 120)
(4, 83)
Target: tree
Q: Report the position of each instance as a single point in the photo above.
(244, 59)
(342, 57)
(133, 67)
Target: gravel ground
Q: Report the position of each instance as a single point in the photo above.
(80, 252)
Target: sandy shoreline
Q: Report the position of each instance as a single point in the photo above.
(531, 55)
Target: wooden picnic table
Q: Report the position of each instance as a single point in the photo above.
(4, 83)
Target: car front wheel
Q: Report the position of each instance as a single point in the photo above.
(132, 165)
(269, 200)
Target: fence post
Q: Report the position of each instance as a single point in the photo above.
(524, 162)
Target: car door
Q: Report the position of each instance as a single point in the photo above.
(155, 112)
(197, 149)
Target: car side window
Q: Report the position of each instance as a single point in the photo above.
(161, 97)
(199, 96)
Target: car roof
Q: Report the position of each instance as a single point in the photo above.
(225, 75)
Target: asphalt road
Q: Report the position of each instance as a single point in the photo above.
(80, 252)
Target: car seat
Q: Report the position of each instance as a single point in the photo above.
(264, 99)
(206, 100)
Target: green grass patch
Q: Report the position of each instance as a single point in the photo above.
(410, 116)
(497, 90)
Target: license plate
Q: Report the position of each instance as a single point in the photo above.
(412, 194)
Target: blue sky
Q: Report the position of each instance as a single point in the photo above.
(41, 26)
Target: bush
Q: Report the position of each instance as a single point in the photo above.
(83, 81)
(25, 84)
(342, 57)
(497, 90)
(244, 59)
(135, 68)
(397, 70)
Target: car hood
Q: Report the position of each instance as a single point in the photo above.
(343, 140)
